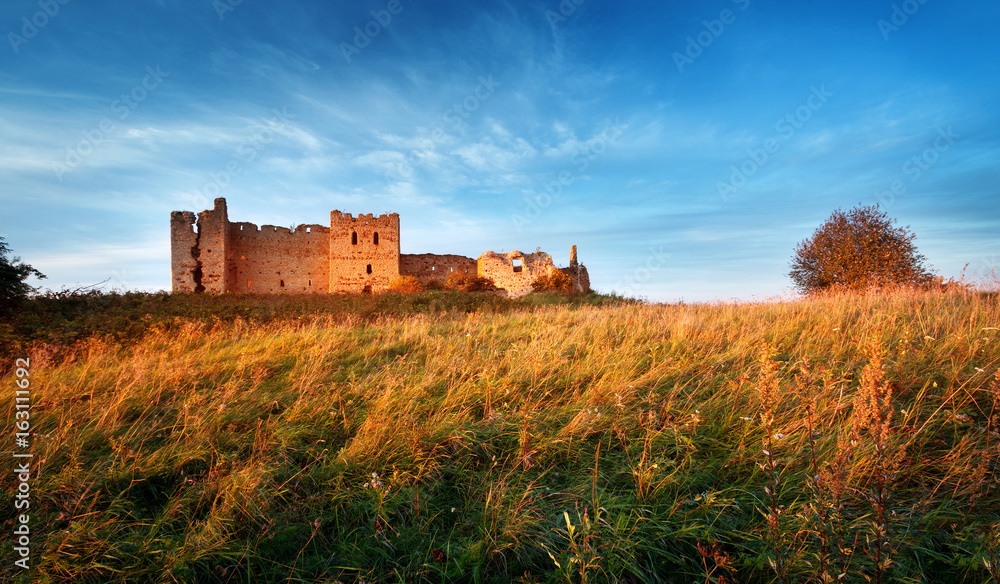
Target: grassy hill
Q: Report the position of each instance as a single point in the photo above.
(444, 437)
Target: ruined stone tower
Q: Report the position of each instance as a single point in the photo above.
(199, 250)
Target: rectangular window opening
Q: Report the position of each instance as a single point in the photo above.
(517, 265)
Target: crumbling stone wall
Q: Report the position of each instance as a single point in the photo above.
(581, 279)
(273, 259)
(428, 266)
(578, 272)
(514, 271)
(364, 252)
(185, 268)
(213, 243)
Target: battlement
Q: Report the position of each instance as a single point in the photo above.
(366, 219)
(354, 254)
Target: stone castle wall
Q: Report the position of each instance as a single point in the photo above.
(428, 266)
(273, 259)
(353, 254)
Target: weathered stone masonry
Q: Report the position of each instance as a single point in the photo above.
(353, 254)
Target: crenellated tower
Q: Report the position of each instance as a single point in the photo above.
(364, 251)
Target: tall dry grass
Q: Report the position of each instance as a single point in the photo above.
(842, 438)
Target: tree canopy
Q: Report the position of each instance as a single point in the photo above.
(858, 250)
(13, 274)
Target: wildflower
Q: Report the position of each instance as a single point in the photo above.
(746, 419)
(926, 338)
(779, 436)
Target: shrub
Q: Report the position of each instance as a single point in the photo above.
(858, 250)
(407, 285)
(466, 283)
(435, 284)
(555, 280)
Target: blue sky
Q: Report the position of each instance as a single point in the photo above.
(685, 148)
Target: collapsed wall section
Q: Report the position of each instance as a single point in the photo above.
(364, 252)
(185, 269)
(514, 271)
(213, 244)
(580, 276)
(275, 260)
(428, 266)
(578, 272)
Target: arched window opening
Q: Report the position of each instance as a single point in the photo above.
(369, 268)
(375, 238)
(281, 283)
(354, 238)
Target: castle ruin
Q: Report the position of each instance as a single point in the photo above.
(208, 253)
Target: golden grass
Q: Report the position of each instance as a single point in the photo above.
(793, 441)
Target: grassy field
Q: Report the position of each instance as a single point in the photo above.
(437, 438)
